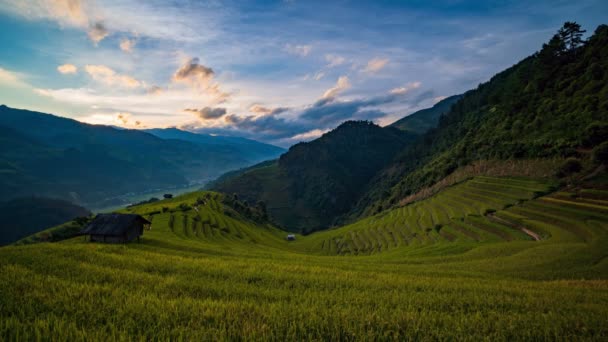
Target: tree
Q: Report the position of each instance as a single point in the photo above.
(554, 48)
(572, 35)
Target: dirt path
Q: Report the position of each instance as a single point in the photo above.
(525, 230)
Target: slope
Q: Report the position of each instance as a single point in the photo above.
(314, 183)
(552, 104)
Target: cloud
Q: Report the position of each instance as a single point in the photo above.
(375, 65)
(334, 60)
(103, 74)
(12, 78)
(67, 69)
(207, 113)
(75, 13)
(342, 84)
(200, 77)
(97, 32)
(259, 109)
(298, 50)
(72, 11)
(127, 44)
(406, 89)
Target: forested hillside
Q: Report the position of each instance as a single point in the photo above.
(314, 183)
(552, 104)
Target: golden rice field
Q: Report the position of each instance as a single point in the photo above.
(464, 264)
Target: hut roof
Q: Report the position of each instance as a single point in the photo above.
(112, 224)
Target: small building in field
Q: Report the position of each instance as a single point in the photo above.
(290, 237)
(116, 228)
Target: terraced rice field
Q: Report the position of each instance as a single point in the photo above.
(461, 213)
(204, 273)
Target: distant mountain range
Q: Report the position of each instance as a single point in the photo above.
(47, 155)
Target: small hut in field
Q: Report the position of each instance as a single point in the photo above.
(116, 228)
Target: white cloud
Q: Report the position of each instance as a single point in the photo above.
(342, 84)
(319, 75)
(334, 60)
(11, 78)
(107, 76)
(67, 69)
(127, 44)
(406, 89)
(298, 50)
(74, 13)
(375, 65)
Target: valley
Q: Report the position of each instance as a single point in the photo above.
(394, 213)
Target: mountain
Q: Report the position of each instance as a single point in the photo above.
(314, 183)
(250, 150)
(47, 155)
(550, 106)
(553, 104)
(423, 120)
(25, 216)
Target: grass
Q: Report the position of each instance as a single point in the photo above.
(210, 276)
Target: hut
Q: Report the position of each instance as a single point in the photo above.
(116, 228)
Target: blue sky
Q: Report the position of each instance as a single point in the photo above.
(275, 71)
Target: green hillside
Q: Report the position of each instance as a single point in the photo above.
(204, 272)
(552, 104)
(314, 183)
(423, 120)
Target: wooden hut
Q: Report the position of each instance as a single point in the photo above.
(116, 228)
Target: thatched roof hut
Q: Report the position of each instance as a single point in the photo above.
(116, 228)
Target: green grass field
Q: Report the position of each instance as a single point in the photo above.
(463, 264)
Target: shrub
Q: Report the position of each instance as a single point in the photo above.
(184, 207)
(600, 153)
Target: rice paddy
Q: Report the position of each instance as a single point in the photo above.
(491, 258)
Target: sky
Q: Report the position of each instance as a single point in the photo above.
(280, 71)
